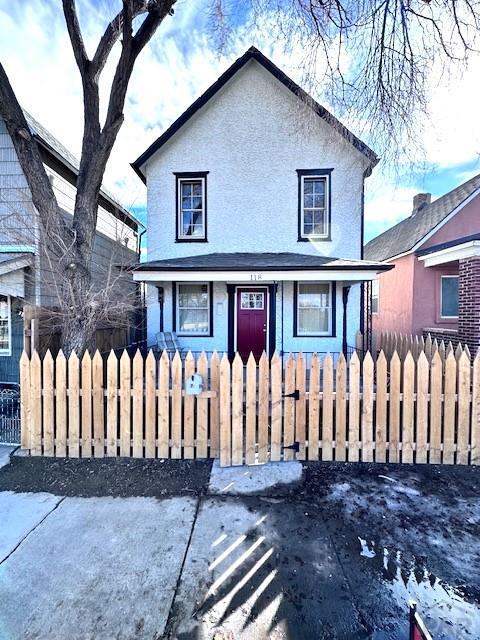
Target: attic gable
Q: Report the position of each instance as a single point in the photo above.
(253, 54)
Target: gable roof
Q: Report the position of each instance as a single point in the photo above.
(253, 54)
(70, 162)
(404, 236)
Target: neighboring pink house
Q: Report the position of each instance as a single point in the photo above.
(435, 286)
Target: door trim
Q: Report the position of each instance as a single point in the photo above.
(271, 290)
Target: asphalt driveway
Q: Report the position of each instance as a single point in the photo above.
(136, 549)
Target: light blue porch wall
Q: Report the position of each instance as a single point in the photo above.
(219, 341)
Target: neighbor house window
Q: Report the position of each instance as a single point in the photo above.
(375, 295)
(5, 326)
(449, 297)
(313, 308)
(193, 305)
(192, 207)
(314, 203)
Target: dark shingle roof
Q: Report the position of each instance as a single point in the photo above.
(68, 159)
(265, 261)
(406, 234)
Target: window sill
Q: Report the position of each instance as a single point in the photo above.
(311, 335)
(315, 239)
(181, 240)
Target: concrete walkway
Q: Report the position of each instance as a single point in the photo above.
(280, 551)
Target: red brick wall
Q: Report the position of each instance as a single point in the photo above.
(469, 303)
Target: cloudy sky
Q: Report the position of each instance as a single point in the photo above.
(178, 65)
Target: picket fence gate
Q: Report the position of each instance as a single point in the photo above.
(362, 410)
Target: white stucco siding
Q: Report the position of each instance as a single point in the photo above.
(285, 341)
(251, 138)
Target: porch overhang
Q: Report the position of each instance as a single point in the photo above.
(12, 275)
(260, 267)
(459, 249)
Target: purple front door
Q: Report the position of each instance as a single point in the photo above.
(251, 321)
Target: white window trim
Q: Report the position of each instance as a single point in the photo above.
(180, 235)
(8, 352)
(200, 334)
(441, 296)
(302, 334)
(325, 235)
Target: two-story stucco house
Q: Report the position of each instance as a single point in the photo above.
(255, 220)
(28, 273)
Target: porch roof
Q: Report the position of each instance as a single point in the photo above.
(451, 251)
(275, 266)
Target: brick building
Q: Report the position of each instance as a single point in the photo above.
(435, 286)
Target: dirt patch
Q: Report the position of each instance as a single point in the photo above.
(119, 477)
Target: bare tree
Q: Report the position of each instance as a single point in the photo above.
(376, 57)
(72, 243)
(373, 59)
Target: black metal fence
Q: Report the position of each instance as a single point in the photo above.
(9, 413)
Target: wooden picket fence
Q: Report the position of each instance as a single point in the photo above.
(382, 410)
(390, 343)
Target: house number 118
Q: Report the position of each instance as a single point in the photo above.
(255, 276)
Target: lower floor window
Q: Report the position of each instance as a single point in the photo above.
(5, 330)
(449, 297)
(314, 308)
(193, 309)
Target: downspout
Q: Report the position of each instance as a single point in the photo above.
(282, 322)
(345, 293)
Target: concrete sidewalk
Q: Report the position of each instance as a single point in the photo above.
(282, 551)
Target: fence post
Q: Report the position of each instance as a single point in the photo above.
(475, 458)
(423, 371)
(367, 409)
(251, 409)
(98, 406)
(163, 406)
(354, 409)
(225, 413)
(289, 404)
(112, 404)
(449, 409)
(381, 409)
(463, 408)
(436, 381)
(263, 402)
(327, 409)
(25, 408)
(314, 409)
(215, 406)
(300, 407)
(237, 410)
(48, 407)
(341, 410)
(188, 412)
(276, 428)
(86, 405)
(125, 404)
(202, 411)
(73, 407)
(61, 405)
(150, 405)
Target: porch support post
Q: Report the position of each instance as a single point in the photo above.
(272, 320)
(345, 293)
(231, 319)
(469, 303)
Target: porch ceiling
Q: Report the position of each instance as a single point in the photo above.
(248, 267)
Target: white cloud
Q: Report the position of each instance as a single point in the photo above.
(177, 66)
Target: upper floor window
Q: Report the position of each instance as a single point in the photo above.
(191, 207)
(449, 297)
(5, 326)
(314, 204)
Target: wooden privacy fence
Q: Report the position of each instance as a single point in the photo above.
(384, 411)
(390, 343)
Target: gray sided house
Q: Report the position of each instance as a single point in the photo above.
(255, 219)
(28, 273)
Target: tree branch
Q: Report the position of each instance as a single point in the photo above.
(75, 34)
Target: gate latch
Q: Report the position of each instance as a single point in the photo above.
(294, 447)
(295, 394)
